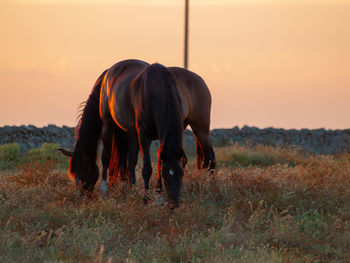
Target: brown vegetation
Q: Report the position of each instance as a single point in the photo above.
(289, 208)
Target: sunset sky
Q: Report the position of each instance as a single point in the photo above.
(268, 63)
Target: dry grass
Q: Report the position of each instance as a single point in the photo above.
(258, 213)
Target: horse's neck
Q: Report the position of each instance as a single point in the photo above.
(86, 148)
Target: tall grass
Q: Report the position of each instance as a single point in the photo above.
(260, 155)
(243, 213)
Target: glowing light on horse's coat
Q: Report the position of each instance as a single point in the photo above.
(114, 114)
(71, 174)
(138, 136)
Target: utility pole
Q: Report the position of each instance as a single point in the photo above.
(186, 35)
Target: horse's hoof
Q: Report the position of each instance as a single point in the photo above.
(159, 201)
(104, 189)
(103, 196)
(146, 199)
(174, 205)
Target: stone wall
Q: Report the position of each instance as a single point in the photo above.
(32, 137)
(316, 141)
(319, 141)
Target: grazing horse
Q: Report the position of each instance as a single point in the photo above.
(115, 112)
(196, 104)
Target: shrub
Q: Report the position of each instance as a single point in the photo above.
(221, 142)
(10, 155)
(47, 152)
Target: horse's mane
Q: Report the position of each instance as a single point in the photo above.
(78, 119)
(88, 130)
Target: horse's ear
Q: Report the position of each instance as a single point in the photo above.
(65, 152)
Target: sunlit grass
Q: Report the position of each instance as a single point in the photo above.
(244, 213)
(260, 155)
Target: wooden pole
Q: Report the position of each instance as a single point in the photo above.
(186, 35)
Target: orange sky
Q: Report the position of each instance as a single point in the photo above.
(267, 62)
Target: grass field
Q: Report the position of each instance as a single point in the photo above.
(264, 204)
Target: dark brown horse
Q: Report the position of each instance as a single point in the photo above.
(116, 99)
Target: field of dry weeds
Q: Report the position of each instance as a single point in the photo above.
(263, 205)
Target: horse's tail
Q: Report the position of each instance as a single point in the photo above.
(168, 110)
(119, 157)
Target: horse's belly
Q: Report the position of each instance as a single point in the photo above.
(119, 121)
(121, 110)
(184, 104)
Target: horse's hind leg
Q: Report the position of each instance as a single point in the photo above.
(199, 154)
(159, 184)
(205, 151)
(133, 144)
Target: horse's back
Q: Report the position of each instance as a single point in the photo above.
(195, 94)
(118, 71)
(114, 90)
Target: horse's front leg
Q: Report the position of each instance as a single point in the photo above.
(159, 185)
(145, 143)
(106, 156)
(107, 139)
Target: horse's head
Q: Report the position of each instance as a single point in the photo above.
(82, 169)
(172, 173)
